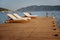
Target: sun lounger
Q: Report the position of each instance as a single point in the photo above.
(11, 16)
(19, 17)
(15, 19)
(28, 15)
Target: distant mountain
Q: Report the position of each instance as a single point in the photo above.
(4, 9)
(40, 8)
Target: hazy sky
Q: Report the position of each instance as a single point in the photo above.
(15, 4)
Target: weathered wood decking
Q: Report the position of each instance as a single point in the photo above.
(41, 28)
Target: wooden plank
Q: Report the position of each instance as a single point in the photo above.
(40, 28)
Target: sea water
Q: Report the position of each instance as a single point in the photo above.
(4, 17)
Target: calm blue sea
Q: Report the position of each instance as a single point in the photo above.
(4, 17)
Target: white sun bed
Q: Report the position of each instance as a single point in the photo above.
(14, 18)
(19, 17)
(27, 14)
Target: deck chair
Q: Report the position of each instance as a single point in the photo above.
(19, 17)
(14, 19)
(27, 14)
(11, 16)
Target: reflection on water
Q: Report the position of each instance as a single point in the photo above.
(4, 17)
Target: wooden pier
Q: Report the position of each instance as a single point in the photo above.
(40, 28)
